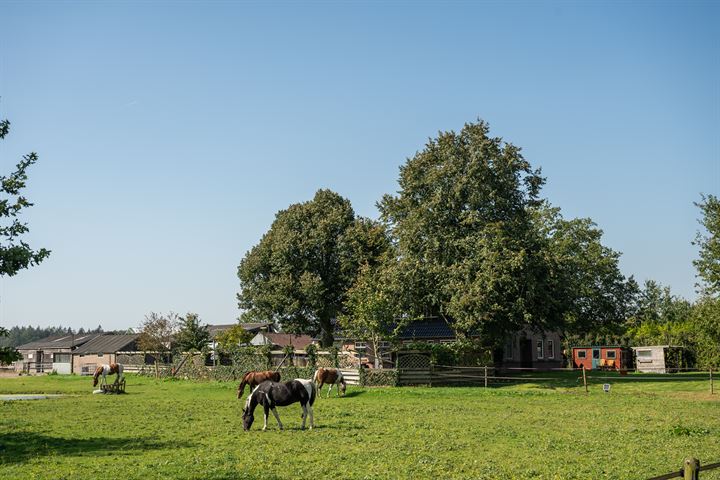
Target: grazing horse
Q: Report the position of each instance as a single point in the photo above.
(271, 394)
(332, 377)
(253, 379)
(105, 370)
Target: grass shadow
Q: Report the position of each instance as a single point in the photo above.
(19, 447)
(354, 393)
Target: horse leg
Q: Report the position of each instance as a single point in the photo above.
(310, 408)
(337, 389)
(277, 417)
(304, 414)
(265, 415)
(329, 388)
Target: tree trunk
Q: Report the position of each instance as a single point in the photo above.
(326, 332)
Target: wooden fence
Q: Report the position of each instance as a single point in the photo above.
(689, 471)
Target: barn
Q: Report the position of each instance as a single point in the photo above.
(607, 357)
(52, 353)
(102, 350)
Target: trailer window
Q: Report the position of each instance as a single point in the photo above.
(644, 353)
(610, 354)
(582, 354)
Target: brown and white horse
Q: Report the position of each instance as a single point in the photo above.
(105, 370)
(253, 379)
(330, 376)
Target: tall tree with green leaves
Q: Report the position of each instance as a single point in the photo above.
(191, 335)
(708, 265)
(156, 336)
(371, 309)
(467, 246)
(588, 288)
(299, 273)
(15, 254)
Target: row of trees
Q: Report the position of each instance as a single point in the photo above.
(468, 237)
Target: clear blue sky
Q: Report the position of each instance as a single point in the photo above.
(170, 134)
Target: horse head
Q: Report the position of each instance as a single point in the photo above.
(248, 419)
(98, 370)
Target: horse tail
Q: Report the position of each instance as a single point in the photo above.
(315, 376)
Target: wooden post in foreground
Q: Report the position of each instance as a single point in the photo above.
(585, 380)
(712, 390)
(691, 469)
(485, 376)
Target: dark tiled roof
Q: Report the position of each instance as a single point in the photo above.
(285, 339)
(425, 329)
(109, 344)
(59, 341)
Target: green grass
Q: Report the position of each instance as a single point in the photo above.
(182, 429)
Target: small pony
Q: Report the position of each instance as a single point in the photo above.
(273, 394)
(256, 378)
(105, 370)
(332, 377)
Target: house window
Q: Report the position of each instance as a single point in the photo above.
(30, 356)
(509, 349)
(610, 354)
(582, 353)
(540, 349)
(550, 349)
(447, 341)
(360, 345)
(100, 354)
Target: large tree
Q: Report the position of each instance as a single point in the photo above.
(191, 335)
(588, 288)
(15, 254)
(478, 246)
(467, 249)
(299, 273)
(708, 265)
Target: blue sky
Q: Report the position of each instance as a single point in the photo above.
(170, 134)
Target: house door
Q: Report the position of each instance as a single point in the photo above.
(596, 359)
(39, 361)
(526, 353)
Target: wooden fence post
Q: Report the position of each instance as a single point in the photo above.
(691, 469)
(712, 390)
(485, 376)
(585, 380)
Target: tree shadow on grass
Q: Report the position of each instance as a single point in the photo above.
(20, 447)
(354, 393)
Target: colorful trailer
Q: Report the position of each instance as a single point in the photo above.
(609, 357)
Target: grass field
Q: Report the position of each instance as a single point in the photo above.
(182, 429)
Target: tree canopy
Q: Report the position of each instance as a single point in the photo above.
(15, 254)
(708, 265)
(299, 273)
(191, 335)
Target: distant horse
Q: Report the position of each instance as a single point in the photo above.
(105, 370)
(331, 376)
(253, 379)
(273, 394)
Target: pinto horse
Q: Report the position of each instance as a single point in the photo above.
(271, 394)
(105, 370)
(330, 376)
(253, 379)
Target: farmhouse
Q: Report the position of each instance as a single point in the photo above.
(51, 353)
(281, 340)
(101, 350)
(528, 349)
(609, 357)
